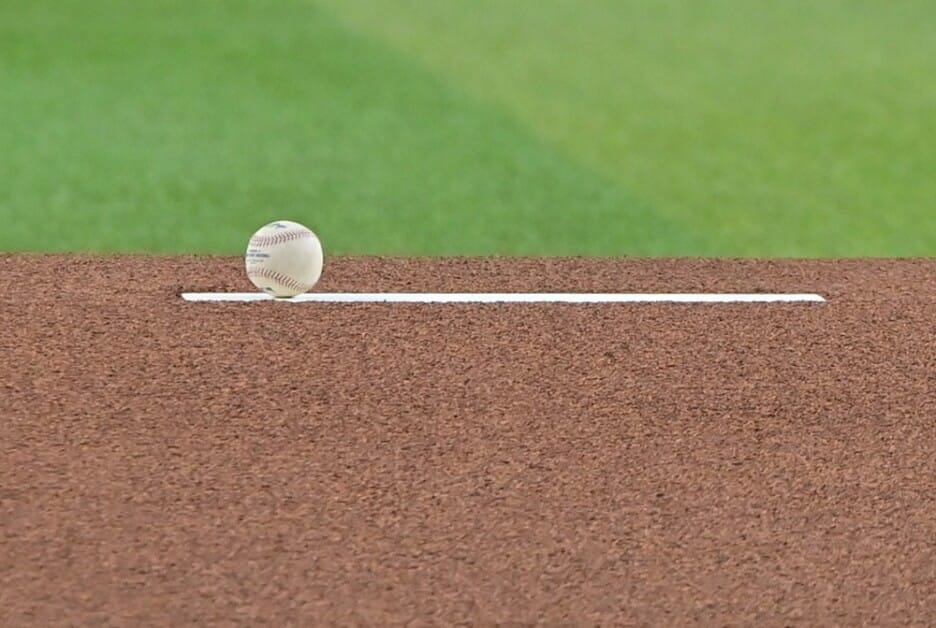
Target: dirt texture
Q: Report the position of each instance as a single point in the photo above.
(169, 463)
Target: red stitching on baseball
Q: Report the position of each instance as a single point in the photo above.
(280, 278)
(279, 238)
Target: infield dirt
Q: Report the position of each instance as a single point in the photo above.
(172, 463)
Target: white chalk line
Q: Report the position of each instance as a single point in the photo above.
(504, 297)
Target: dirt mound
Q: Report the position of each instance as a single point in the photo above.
(171, 463)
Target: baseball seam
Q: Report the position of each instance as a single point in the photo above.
(284, 280)
(279, 238)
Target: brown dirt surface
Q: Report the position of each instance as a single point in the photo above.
(171, 463)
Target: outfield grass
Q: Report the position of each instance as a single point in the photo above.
(711, 127)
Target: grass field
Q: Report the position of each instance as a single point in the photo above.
(712, 127)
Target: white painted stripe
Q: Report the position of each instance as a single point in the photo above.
(509, 297)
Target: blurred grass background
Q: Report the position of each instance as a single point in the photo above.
(535, 127)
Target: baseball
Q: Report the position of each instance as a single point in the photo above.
(284, 259)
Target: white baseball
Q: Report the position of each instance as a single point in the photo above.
(284, 259)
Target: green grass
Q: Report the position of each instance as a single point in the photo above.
(711, 127)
